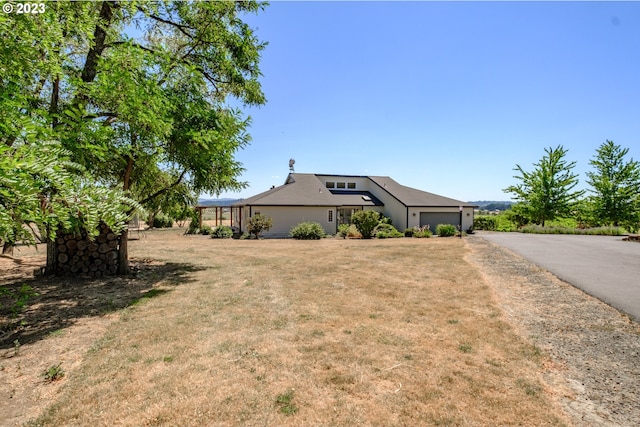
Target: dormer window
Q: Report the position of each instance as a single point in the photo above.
(351, 185)
(341, 185)
(330, 184)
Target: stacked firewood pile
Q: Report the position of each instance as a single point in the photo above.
(77, 255)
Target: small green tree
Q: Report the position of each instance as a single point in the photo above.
(365, 222)
(547, 190)
(615, 184)
(258, 224)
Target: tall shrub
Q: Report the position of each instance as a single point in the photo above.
(365, 222)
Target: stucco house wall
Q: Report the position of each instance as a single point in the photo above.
(286, 217)
(393, 209)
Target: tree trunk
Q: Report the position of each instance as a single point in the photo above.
(123, 253)
(7, 249)
(123, 249)
(52, 257)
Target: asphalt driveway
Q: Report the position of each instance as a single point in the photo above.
(603, 266)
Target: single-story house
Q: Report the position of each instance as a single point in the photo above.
(330, 200)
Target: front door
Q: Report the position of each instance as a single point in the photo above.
(344, 214)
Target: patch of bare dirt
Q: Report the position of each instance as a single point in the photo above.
(595, 349)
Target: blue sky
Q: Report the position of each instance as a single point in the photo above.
(446, 97)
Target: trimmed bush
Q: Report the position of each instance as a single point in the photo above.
(384, 231)
(162, 221)
(446, 230)
(206, 230)
(307, 231)
(222, 232)
(343, 230)
(422, 232)
(365, 222)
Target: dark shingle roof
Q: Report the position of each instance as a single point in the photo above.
(355, 198)
(303, 189)
(412, 197)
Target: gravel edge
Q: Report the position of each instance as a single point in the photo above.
(594, 349)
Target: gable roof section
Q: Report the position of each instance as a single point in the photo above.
(412, 197)
(300, 189)
(305, 189)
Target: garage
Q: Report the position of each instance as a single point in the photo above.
(434, 218)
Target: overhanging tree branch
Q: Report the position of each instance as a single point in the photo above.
(164, 190)
(184, 29)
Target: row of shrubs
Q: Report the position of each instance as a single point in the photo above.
(503, 222)
(314, 231)
(597, 231)
(366, 224)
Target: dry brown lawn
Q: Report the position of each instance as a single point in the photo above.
(297, 333)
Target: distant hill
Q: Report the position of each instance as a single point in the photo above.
(492, 205)
(217, 202)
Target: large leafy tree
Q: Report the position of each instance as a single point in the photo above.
(615, 184)
(547, 192)
(41, 190)
(133, 88)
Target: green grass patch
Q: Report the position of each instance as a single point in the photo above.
(285, 403)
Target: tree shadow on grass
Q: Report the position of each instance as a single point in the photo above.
(54, 303)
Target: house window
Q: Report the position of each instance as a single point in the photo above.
(331, 184)
(330, 218)
(341, 185)
(351, 185)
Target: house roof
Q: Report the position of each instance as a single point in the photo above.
(412, 197)
(300, 189)
(304, 189)
(355, 198)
